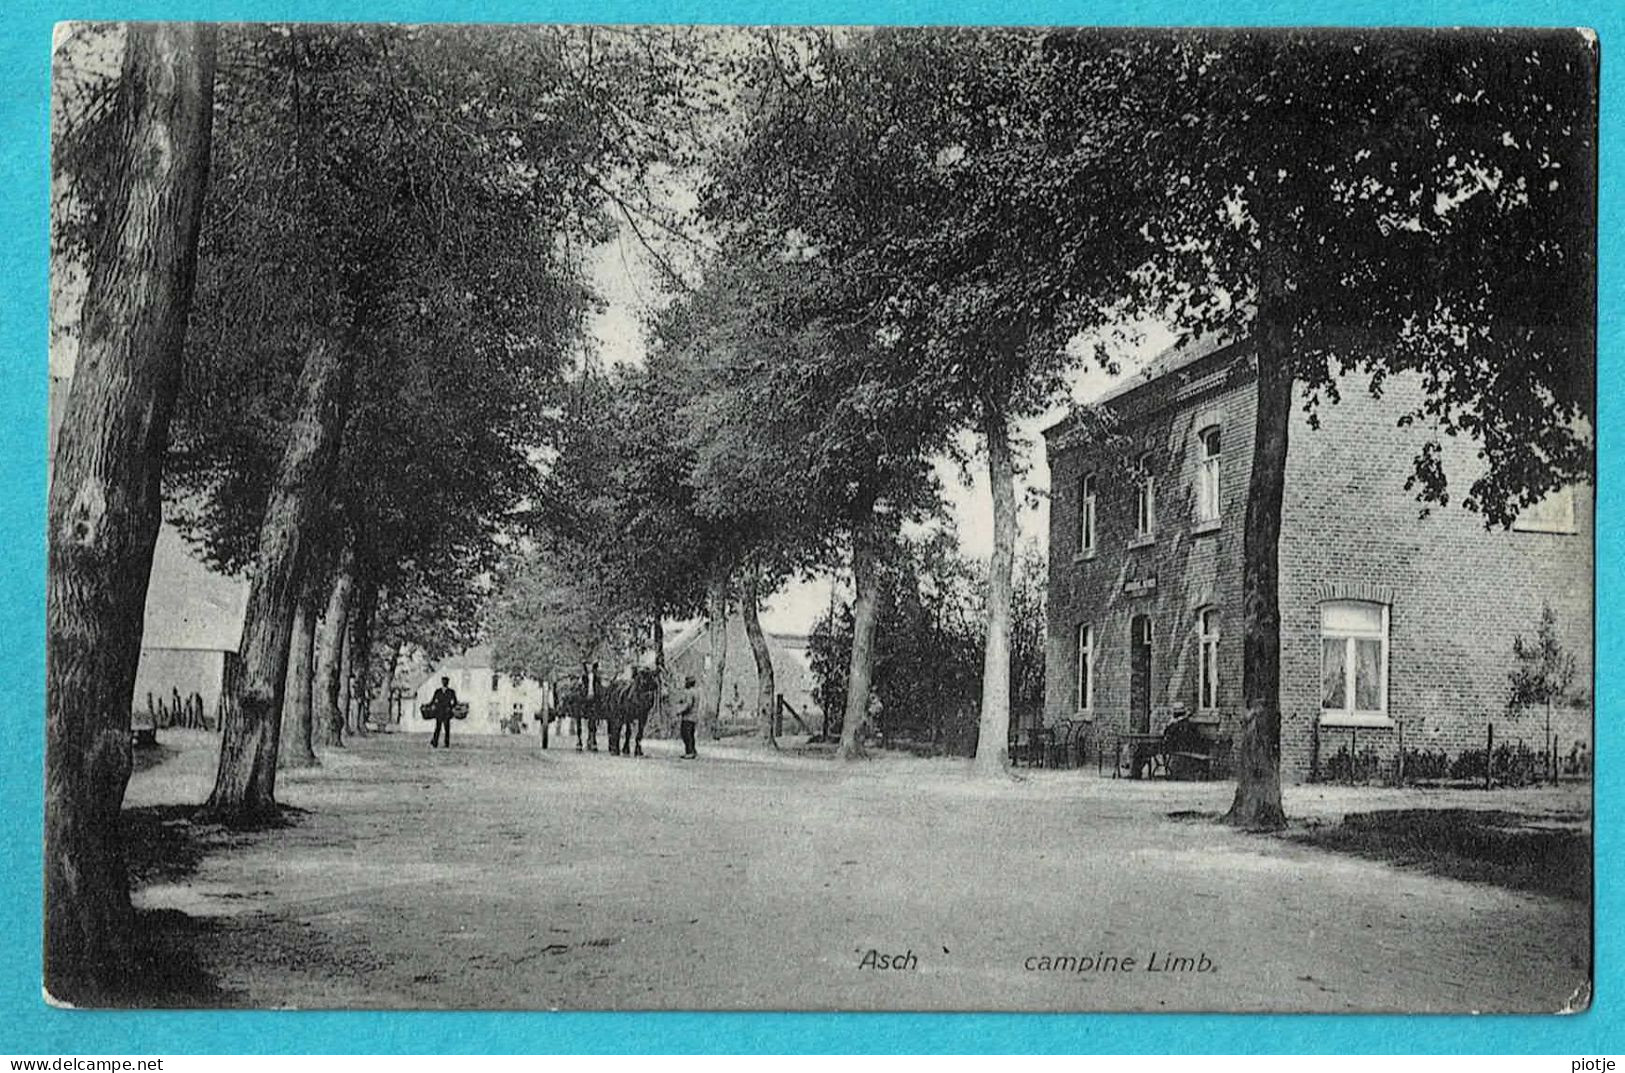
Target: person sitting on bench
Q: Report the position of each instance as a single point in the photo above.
(1183, 747)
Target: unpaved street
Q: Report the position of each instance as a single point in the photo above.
(497, 875)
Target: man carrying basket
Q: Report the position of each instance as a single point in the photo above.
(442, 709)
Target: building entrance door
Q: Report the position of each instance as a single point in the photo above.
(1139, 671)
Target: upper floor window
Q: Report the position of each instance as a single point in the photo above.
(496, 682)
(1207, 486)
(1208, 688)
(1554, 514)
(1086, 514)
(1086, 668)
(1145, 499)
(1353, 658)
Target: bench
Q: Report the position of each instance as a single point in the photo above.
(1210, 761)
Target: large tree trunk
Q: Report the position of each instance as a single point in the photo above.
(330, 663)
(993, 740)
(860, 667)
(1258, 758)
(716, 629)
(766, 689)
(104, 500)
(245, 784)
(347, 667)
(298, 722)
(358, 664)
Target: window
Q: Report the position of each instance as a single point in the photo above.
(1086, 668)
(1145, 500)
(1208, 686)
(496, 682)
(468, 679)
(1086, 515)
(1354, 660)
(1207, 487)
(1554, 514)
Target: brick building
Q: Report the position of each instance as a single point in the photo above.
(1393, 625)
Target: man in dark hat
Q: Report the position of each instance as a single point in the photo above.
(443, 708)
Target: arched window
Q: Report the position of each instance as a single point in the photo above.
(1086, 514)
(1353, 659)
(1207, 622)
(1145, 499)
(1207, 486)
(1086, 668)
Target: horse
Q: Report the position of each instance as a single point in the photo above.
(579, 701)
(628, 701)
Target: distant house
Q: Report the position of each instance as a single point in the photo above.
(493, 699)
(688, 653)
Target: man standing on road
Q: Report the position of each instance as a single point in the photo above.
(443, 708)
(683, 707)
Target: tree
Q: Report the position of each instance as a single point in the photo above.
(245, 783)
(1384, 204)
(550, 617)
(298, 747)
(976, 204)
(448, 326)
(104, 503)
(805, 441)
(1543, 673)
(927, 655)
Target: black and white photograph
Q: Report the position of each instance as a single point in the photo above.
(656, 517)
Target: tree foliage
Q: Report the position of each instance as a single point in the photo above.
(1398, 203)
(429, 206)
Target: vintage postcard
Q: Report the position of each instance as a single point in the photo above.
(821, 518)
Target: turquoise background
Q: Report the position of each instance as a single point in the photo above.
(29, 1026)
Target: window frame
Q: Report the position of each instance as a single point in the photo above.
(1207, 660)
(1145, 500)
(1351, 714)
(1554, 514)
(1084, 672)
(1087, 500)
(1209, 474)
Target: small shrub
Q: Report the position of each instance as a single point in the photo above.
(1342, 766)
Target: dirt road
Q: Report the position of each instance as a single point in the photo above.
(496, 875)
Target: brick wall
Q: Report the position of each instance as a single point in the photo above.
(1457, 594)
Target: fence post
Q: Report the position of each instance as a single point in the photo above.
(1489, 756)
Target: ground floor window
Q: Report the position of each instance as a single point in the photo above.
(1208, 690)
(1353, 658)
